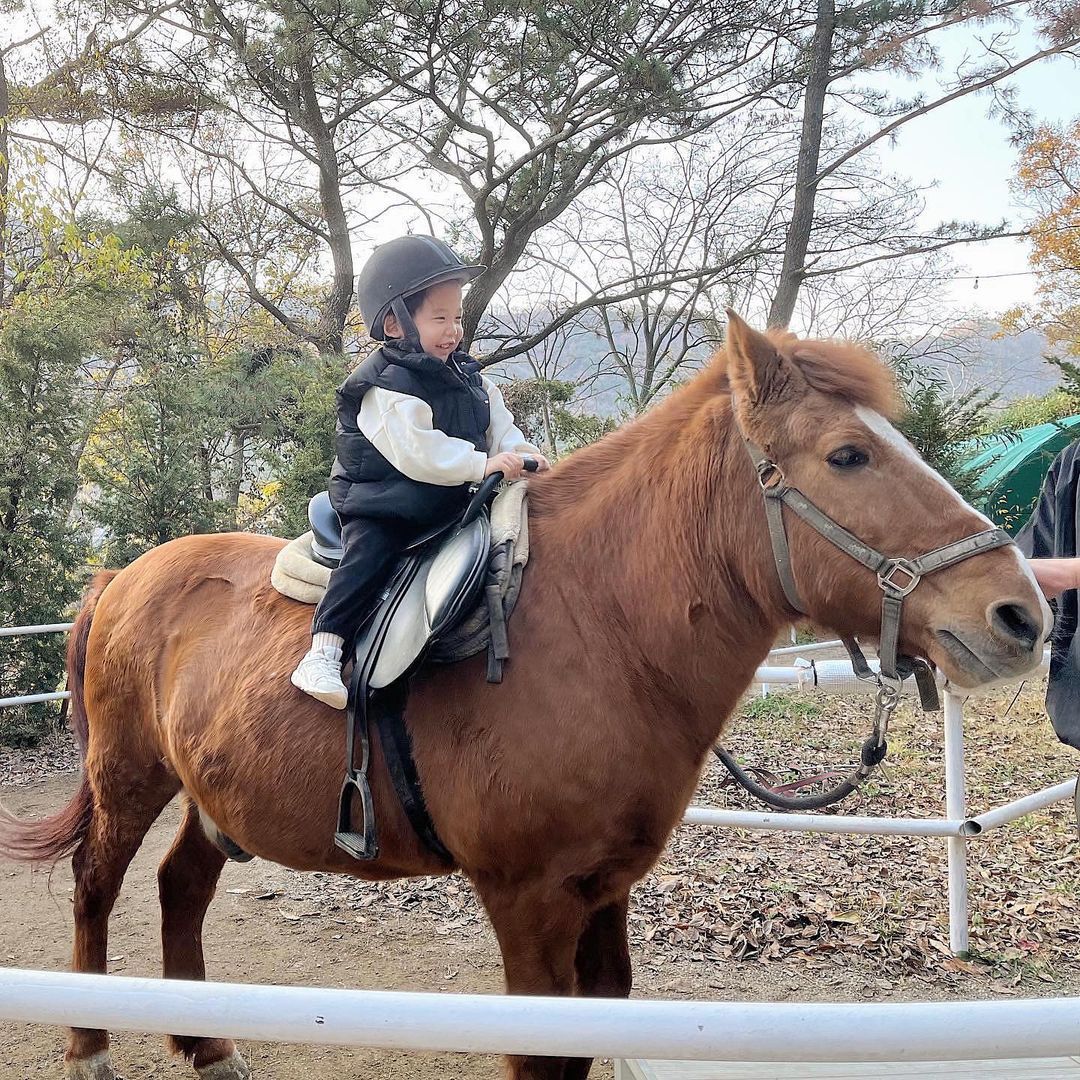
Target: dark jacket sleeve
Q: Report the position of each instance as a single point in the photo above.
(1036, 538)
(1051, 533)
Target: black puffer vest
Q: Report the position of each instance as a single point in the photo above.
(362, 482)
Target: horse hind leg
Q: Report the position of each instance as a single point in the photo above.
(187, 879)
(123, 811)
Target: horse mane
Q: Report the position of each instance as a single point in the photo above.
(695, 414)
(843, 369)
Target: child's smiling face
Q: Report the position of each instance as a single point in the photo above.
(438, 320)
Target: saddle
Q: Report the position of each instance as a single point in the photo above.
(434, 583)
(448, 598)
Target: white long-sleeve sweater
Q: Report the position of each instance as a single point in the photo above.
(401, 427)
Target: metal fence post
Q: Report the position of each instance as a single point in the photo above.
(955, 809)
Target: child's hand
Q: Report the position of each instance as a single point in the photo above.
(511, 465)
(542, 463)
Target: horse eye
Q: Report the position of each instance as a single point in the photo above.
(848, 457)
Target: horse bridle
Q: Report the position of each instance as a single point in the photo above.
(897, 577)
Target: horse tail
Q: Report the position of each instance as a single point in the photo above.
(52, 838)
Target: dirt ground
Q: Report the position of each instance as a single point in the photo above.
(246, 940)
(725, 916)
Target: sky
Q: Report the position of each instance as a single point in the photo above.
(964, 161)
(968, 157)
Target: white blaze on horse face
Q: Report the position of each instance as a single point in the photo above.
(888, 434)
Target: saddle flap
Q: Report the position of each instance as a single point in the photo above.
(455, 572)
(444, 582)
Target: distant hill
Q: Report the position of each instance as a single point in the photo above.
(1013, 366)
(968, 358)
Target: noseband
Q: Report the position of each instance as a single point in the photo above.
(897, 577)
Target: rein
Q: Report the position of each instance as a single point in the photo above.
(897, 578)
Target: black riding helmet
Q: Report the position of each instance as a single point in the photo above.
(402, 268)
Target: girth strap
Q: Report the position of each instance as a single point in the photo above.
(388, 707)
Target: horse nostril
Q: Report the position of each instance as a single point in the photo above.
(1017, 624)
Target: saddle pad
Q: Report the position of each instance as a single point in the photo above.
(298, 576)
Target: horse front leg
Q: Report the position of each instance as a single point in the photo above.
(538, 930)
(603, 966)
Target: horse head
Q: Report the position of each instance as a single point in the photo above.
(815, 418)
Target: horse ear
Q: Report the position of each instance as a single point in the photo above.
(756, 370)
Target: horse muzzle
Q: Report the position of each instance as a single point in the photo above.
(1007, 646)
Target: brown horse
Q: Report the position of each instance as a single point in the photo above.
(651, 598)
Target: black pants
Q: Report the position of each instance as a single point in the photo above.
(371, 548)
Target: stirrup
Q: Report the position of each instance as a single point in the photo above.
(360, 845)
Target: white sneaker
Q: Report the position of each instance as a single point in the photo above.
(319, 674)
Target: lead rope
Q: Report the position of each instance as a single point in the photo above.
(873, 752)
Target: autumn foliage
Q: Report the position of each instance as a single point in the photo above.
(1048, 179)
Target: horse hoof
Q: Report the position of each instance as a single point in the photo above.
(97, 1067)
(234, 1067)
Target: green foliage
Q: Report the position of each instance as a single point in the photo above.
(544, 410)
(46, 340)
(159, 232)
(576, 429)
(533, 401)
(147, 461)
(300, 463)
(194, 445)
(1031, 411)
(944, 428)
(779, 707)
(1070, 376)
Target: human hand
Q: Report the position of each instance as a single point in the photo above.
(511, 465)
(1056, 576)
(542, 463)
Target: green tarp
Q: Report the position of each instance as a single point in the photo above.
(1011, 471)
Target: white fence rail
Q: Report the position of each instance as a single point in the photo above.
(574, 1027)
(25, 631)
(41, 628)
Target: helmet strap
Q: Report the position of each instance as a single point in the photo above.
(409, 331)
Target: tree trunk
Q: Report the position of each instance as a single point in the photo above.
(480, 293)
(802, 216)
(336, 308)
(236, 480)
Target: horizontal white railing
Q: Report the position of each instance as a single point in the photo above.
(574, 1027)
(25, 631)
(42, 628)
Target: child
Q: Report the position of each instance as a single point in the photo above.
(416, 425)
